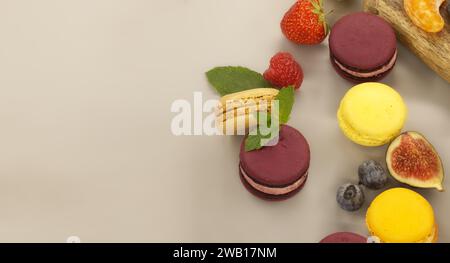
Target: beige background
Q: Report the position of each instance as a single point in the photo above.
(86, 147)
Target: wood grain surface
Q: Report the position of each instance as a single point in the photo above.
(432, 48)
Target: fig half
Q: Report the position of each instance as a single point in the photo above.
(412, 160)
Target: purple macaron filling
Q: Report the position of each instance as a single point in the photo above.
(372, 74)
(274, 190)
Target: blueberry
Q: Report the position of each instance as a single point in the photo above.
(350, 197)
(372, 175)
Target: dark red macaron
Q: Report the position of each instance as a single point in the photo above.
(344, 237)
(363, 47)
(276, 172)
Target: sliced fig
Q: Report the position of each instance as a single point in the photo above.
(412, 160)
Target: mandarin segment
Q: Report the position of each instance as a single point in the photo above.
(425, 14)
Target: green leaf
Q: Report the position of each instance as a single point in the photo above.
(286, 100)
(261, 114)
(253, 142)
(227, 80)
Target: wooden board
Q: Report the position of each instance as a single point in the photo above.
(432, 48)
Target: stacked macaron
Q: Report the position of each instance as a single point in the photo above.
(363, 47)
(276, 172)
(274, 162)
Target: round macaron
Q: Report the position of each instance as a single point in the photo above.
(372, 114)
(276, 172)
(400, 215)
(344, 237)
(363, 47)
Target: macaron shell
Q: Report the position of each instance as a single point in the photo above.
(362, 41)
(280, 165)
(400, 215)
(357, 137)
(372, 114)
(344, 237)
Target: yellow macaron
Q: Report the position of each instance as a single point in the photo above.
(372, 114)
(400, 215)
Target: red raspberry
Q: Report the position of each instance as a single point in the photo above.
(284, 71)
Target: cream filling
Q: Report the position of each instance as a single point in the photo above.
(274, 190)
(382, 70)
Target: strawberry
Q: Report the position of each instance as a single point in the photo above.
(305, 22)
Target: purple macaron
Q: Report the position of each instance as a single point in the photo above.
(363, 47)
(344, 237)
(276, 172)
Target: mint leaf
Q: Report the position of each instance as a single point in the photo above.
(261, 114)
(253, 142)
(286, 102)
(227, 80)
(259, 140)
